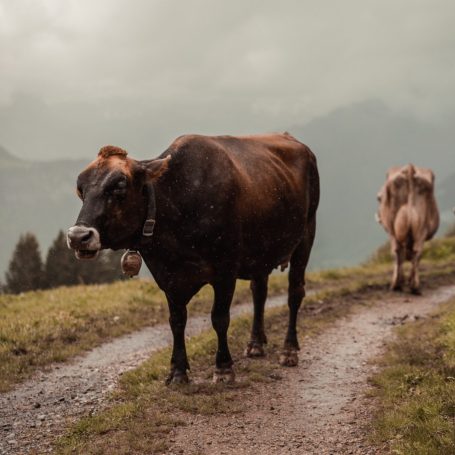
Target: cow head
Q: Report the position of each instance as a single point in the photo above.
(118, 202)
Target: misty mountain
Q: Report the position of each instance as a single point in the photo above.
(35, 196)
(355, 146)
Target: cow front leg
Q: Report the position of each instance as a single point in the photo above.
(224, 291)
(398, 277)
(177, 302)
(179, 360)
(255, 347)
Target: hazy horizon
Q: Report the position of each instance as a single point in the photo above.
(366, 85)
(77, 75)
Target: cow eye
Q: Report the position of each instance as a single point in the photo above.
(120, 189)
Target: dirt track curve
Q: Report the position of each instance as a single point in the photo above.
(317, 408)
(37, 410)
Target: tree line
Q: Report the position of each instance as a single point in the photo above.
(28, 272)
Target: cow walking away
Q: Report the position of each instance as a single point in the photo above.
(409, 214)
(208, 210)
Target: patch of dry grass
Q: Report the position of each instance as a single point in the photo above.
(39, 328)
(42, 327)
(416, 388)
(436, 250)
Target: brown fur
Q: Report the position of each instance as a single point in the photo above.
(112, 157)
(225, 208)
(409, 214)
(112, 150)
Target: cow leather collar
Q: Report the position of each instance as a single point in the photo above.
(149, 225)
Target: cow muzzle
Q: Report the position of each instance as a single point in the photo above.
(85, 241)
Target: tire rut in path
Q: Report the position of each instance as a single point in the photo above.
(319, 407)
(37, 411)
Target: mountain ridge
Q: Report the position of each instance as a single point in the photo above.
(354, 146)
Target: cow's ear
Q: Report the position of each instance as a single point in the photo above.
(154, 169)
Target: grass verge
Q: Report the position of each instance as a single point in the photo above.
(416, 388)
(39, 328)
(42, 327)
(143, 411)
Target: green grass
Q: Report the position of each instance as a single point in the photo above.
(439, 249)
(42, 327)
(416, 388)
(39, 328)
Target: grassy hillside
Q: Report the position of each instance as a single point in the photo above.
(436, 249)
(38, 328)
(355, 146)
(143, 410)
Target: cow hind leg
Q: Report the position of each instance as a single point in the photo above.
(414, 279)
(255, 347)
(224, 290)
(296, 293)
(398, 278)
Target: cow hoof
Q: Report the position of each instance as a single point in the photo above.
(289, 358)
(416, 291)
(177, 377)
(396, 288)
(224, 375)
(254, 349)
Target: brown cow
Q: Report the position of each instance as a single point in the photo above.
(409, 214)
(208, 210)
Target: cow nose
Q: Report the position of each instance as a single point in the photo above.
(80, 236)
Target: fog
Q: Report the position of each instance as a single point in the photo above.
(76, 75)
(365, 84)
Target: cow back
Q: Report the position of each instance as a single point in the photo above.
(407, 203)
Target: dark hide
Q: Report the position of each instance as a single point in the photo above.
(226, 208)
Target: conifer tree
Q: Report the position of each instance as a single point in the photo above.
(61, 268)
(104, 269)
(25, 271)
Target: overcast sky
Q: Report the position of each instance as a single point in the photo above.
(78, 74)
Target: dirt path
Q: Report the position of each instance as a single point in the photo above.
(319, 407)
(36, 411)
